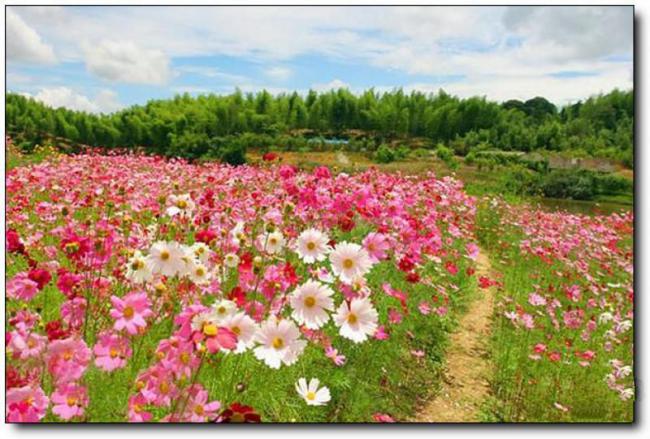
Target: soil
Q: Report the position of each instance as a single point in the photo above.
(467, 370)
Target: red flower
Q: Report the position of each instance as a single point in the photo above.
(238, 413)
(206, 236)
(55, 331)
(346, 224)
(406, 264)
(412, 277)
(269, 157)
(40, 276)
(14, 244)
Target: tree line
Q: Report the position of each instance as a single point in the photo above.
(208, 125)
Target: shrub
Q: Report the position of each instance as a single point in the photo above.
(234, 154)
(384, 154)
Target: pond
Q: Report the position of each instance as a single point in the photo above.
(580, 206)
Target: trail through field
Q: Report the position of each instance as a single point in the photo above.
(467, 370)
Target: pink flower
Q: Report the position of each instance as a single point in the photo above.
(333, 354)
(27, 345)
(394, 316)
(25, 404)
(376, 245)
(130, 312)
(69, 401)
(472, 250)
(382, 417)
(67, 282)
(424, 308)
(111, 352)
(198, 409)
(381, 334)
(73, 312)
(67, 359)
(573, 319)
(137, 413)
(22, 287)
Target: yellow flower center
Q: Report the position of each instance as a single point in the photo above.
(113, 353)
(164, 255)
(273, 241)
(348, 263)
(278, 343)
(352, 318)
(237, 417)
(310, 396)
(200, 272)
(310, 301)
(311, 246)
(71, 401)
(185, 358)
(209, 329)
(67, 355)
(128, 312)
(236, 330)
(198, 409)
(181, 204)
(31, 343)
(137, 265)
(164, 387)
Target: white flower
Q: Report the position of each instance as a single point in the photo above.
(237, 234)
(245, 328)
(199, 274)
(280, 343)
(349, 261)
(626, 394)
(311, 302)
(312, 246)
(166, 258)
(605, 318)
(271, 243)
(231, 260)
(181, 205)
(201, 252)
(311, 393)
(223, 309)
(357, 320)
(137, 269)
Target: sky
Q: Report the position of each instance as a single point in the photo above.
(102, 59)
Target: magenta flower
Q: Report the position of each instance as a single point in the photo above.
(69, 401)
(130, 312)
(25, 404)
(21, 287)
(67, 359)
(111, 352)
(198, 408)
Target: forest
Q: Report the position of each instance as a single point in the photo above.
(218, 126)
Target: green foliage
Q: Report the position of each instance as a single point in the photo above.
(385, 154)
(601, 126)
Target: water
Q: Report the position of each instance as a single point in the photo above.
(580, 206)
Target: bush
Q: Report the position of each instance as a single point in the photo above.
(384, 154)
(234, 154)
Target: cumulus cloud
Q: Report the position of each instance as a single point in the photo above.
(334, 84)
(279, 73)
(24, 43)
(104, 102)
(124, 61)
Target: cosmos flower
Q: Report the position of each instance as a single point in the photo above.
(356, 320)
(349, 261)
(311, 303)
(312, 246)
(130, 312)
(311, 393)
(280, 343)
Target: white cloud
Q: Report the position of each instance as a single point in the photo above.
(24, 43)
(124, 61)
(104, 102)
(489, 46)
(279, 73)
(334, 84)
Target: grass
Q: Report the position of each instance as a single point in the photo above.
(526, 390)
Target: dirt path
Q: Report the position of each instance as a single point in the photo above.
(465, 378)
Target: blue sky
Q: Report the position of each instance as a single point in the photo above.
(101, 59)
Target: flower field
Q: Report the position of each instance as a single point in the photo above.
(563, 342)
(143, 289)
